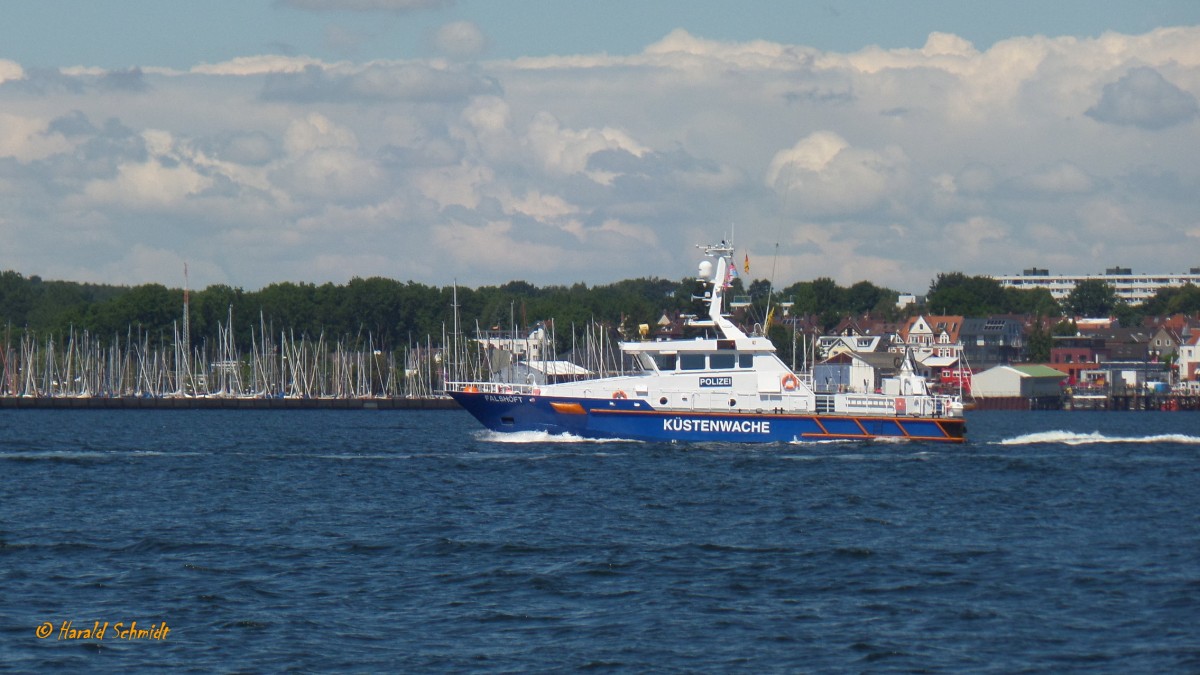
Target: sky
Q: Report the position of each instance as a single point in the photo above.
(478, 142)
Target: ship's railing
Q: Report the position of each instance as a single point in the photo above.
(943, 405)
(493, 387)
(909, 405)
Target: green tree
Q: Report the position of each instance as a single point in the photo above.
(781, 337)
(759, 290)
(1091, 298)
(1040, 341)
(289, 306)
(864, 296)
(1065, 328)
(210, 308)
(371, 307)
(1036, 301)
(150, 307)
(1185, 301)
(828, 295)
(820, 296)
(1127, 315)
(1178, 300)
(959, 294)
(16, 298)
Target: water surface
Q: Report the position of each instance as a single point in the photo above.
(416, 541)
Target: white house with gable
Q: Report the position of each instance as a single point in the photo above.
(1188, 358)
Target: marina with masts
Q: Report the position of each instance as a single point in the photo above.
(135, 370)
(81, 369)
(278, 369)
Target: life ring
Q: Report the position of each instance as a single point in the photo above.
(789, 382)
(471, 389)
(619, 394)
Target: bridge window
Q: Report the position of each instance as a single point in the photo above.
(691, 361)
(666, 362)
(722, 361)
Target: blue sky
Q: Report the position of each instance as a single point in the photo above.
(557, 142)
(55, 33)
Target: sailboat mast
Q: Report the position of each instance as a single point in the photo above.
(186, 337)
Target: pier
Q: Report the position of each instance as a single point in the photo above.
(1131, 401)
(1117, 400)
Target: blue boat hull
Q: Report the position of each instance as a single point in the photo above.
(637, 420)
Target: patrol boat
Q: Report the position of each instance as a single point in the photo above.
(719, 385)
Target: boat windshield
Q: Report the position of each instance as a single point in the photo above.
(662, 362)
(647, 362)
(669, 363)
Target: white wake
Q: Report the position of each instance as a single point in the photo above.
(1094, 438)
(541, 437)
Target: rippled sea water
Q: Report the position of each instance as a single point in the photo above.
(417, 542)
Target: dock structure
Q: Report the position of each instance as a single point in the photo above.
(1017, 403)
(1116, 400)
(1132, 400)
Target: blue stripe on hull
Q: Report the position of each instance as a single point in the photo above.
(634, 419)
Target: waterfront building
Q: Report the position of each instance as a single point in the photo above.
(1189, 359)
(991, 341)
(930, 335)
(1030, 381)
(1130, 287)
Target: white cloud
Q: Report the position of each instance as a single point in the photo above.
(537, 205)
(1062, 178)
(812, 153)
(455, 185)
(26, 139)
(491, 248)
(10, 70)
(332, 174)
(567, 150)
(822, 174)
(257, 65)
(162, 180)
(143, 262)
(374, 82)
(883, 164)
(317, 132)
(487, 129)
(460, 39)
(1143, 98)
(680, 49)
(150, 184)
(975, 237)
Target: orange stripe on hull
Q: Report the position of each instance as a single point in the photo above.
(568, 408)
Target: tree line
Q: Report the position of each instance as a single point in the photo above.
(397, 313)
(958, 294)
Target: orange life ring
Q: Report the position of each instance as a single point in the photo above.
(471, 389)
(789, 382)
(619, 394)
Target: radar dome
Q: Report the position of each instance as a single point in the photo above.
(705, 269)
